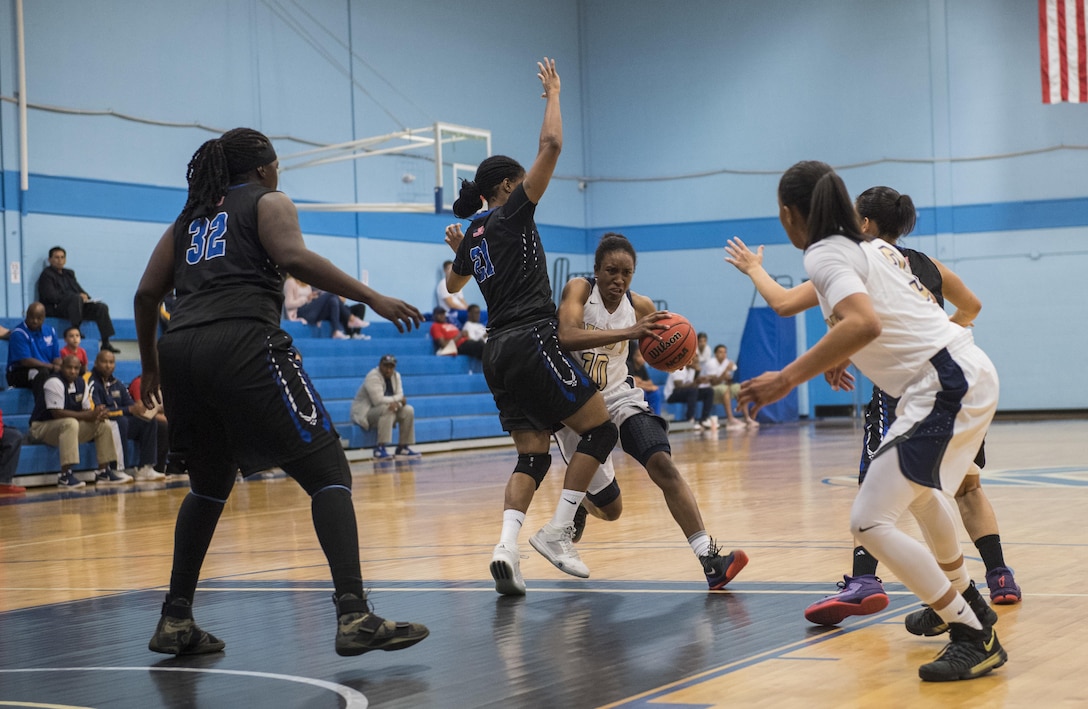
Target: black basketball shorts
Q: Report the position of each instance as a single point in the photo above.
(236, 392)
(535, 383)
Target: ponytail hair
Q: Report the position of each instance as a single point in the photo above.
(893, 213)
(489, 175)
(819, 195)
(219, 163)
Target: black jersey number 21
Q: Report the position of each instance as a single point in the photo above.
(481, 262)
(208, 240)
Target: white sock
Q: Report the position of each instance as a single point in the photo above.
(960, 578)
(512, 520)
(959, 611)
(566, 507)
(700, 543)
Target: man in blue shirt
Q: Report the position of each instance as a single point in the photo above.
(33, 349)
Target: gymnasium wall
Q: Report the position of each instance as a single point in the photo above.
(942, 97)
(678, 121)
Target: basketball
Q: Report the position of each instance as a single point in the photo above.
(676, 347)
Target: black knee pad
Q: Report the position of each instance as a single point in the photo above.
(606, 496)
(600, 441)
(643, 435)
(535, 465)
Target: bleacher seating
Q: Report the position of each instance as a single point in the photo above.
(449, 394)
(677, 411)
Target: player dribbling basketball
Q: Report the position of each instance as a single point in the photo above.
(598, 318)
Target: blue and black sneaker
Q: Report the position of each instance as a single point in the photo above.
(719, 569)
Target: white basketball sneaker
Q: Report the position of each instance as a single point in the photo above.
(556, 544)
(506, 570)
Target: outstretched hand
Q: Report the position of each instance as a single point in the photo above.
(548, 77)
(403, 315)
(840, 378)
(454, 236)
(765, 389)
(741, 256)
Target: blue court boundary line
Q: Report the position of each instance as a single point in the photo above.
(102, 199)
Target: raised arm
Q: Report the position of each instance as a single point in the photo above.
(551, 135)
(784, 301)
(958, 294)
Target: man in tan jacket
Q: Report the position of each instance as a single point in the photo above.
(380, 400)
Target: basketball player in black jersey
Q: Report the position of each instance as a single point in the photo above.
(536, 385)
(885, 213)
(234, 391)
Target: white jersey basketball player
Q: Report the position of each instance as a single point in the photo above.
(598, 318)
(888, 324)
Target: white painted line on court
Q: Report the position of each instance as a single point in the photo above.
(352, 699)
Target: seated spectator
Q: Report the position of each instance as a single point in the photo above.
(719, 372)
(703, 357)
(703, 352)
(72, 338)
(11, 443)
(473, 329)
(449, 340)
(33, 350)
(636, 367)
(64, 417)
(359, 311)
(133, 419)
(682, 387)
(4, 333)
(380, 402)
(162, 438)
(64, 298)
(453, 304)
(302, 303)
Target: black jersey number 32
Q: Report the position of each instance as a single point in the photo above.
(208, 239)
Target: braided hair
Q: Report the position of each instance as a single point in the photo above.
(489, 175)
(219, 163)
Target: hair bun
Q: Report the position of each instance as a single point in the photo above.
(469, 200)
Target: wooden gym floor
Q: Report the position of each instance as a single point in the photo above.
(82, 574)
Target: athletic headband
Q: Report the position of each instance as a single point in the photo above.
(242, 164)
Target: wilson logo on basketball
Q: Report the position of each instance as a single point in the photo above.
(659, 349)
(675, 347)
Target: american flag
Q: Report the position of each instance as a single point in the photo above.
(1063, 64)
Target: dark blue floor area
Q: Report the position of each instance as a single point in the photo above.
(566, 644)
